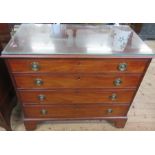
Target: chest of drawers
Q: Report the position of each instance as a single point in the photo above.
(54, 83)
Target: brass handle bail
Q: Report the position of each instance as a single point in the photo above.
(35, 66)
(122, 67)
(43, 112)
(39, 82)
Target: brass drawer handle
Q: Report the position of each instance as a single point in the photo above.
(109, 111)
(35, 66)
(43, 112)
(39, 82)
(113, 97)
(41, 97)
(122, 67)
(118, 82)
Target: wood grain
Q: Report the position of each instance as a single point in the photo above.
(77, 65)
(76, 96)
(141, 115)
(27, 81)
(74, 111)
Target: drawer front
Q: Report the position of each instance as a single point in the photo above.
(34, 81)
(77, 65)
(74, 111)
(76, 96)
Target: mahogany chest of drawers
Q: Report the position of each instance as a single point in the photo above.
(76, 72)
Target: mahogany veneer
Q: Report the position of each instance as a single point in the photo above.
(28, 81)
(76, 96)
(78, 65)
(75, 111)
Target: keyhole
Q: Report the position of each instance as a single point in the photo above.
(78, 78)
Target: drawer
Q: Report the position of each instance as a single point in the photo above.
(77, 65)
(48, 81)
(76, 96)
(74, 111)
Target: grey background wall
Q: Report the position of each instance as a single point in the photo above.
(148, 31)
